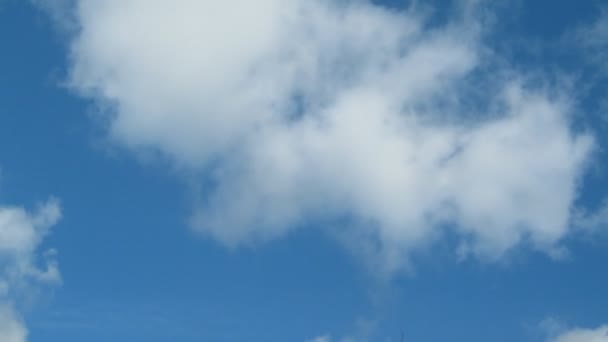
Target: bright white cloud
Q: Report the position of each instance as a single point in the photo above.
(21, 233)
(584, 335)
(344, 113)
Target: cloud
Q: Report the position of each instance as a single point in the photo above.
(324, 338)
(584, 335)
(594, 40)
(384, 129)
(328, 338)
(11, 328)
(21, 234)
(60, 13)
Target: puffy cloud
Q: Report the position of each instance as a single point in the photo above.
(365, 120)
(21, 233)
(584, 335)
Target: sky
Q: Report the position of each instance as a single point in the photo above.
(304, 170)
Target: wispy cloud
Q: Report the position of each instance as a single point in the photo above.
(594, 39)
(324, 338)
(599, 334)
(21, 233)
(11, 327)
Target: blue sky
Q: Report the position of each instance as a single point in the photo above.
(219, 181)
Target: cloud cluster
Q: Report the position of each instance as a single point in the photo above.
(21, 277)
(369, 121)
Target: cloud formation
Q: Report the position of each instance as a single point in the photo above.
(368, 121)
(584, 335)
(21, 234)
(11, 328)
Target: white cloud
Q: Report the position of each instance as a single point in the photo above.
(21, 234)
(584, 335)
(11, 327)
(335, 112)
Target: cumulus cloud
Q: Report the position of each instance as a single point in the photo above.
(584, 335)
(368, 121)
(21, 233)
